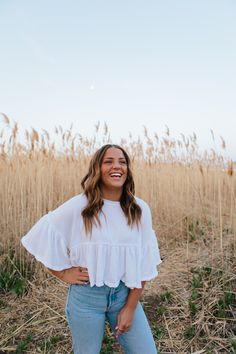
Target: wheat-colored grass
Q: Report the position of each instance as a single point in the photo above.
(192, 194)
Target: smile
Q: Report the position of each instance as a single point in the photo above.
(115, 175)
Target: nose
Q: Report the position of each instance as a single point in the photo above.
(116, 164)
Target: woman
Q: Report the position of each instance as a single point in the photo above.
(101, 242)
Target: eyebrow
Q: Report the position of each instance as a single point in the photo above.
(111, 158)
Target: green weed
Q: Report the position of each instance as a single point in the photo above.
(23, 345)
(229, 298)
(49, 343)
(233, 344)
(10, 282)
(195, 295)
(167, 296)
(192, 307)
(189, 332)
(14, 274)
(196, 282)
(161, 310)
(158, 331)
(206, 270)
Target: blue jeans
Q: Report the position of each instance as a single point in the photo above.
(86, 310)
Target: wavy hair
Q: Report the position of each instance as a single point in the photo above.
(91, 186)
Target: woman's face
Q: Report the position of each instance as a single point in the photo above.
(113, 169)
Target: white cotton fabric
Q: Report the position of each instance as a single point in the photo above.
(114, 252)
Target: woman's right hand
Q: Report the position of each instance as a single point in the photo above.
(73, 275)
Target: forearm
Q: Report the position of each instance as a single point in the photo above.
(73, 275)
(56, 273)
(133, 297)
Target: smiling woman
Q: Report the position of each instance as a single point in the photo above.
(106, 272)
(113, 173)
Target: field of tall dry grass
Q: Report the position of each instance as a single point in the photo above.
(191, 305)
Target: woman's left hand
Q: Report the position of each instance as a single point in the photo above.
(124, 320)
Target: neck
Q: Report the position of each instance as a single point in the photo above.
(113, 195)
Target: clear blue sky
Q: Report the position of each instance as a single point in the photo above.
(128, 63)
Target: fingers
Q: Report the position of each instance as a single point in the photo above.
(119, 331)
(77, 275)
(81, 282)
(83, 275)
(83, 279)
(83, 269)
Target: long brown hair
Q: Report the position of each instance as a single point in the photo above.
(91, 186)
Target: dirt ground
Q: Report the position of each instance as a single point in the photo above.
(36, 322)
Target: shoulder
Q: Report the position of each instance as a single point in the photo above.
(78, 199)
(63, 219)
(74, 204)
(146, 217)
(142, 203)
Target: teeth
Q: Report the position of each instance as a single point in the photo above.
(115, 175)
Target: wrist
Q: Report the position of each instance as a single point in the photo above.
(130, 307)
(58, 274)
(61, 274)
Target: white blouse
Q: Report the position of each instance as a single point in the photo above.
(114, 252)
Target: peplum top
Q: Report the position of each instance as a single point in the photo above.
(113, 252)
